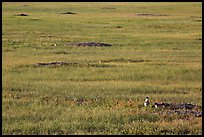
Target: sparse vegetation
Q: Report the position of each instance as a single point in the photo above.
(51, 88)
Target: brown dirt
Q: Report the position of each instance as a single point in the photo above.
(69, 12)
(22, 14)
(185, 109)
(91, 44)
(150, 14)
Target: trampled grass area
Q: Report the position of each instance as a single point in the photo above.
(156, 51)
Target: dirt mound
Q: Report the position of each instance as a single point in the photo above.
(108, 8)
(124, 60)
(180, 109)
(69, 12)
(72, 64)
(57, 64)
(91, 44)
(150, 14)
(174, 106)
(22, 14)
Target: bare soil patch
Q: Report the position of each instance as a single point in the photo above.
(68, 12)
(150, 14)
(22, 14)
(183, 109)
(108, 8)
(72, 64)
(125, 60)
(91, 44)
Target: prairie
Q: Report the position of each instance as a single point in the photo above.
(156, 51)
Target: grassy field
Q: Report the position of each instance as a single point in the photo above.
(157, 55)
